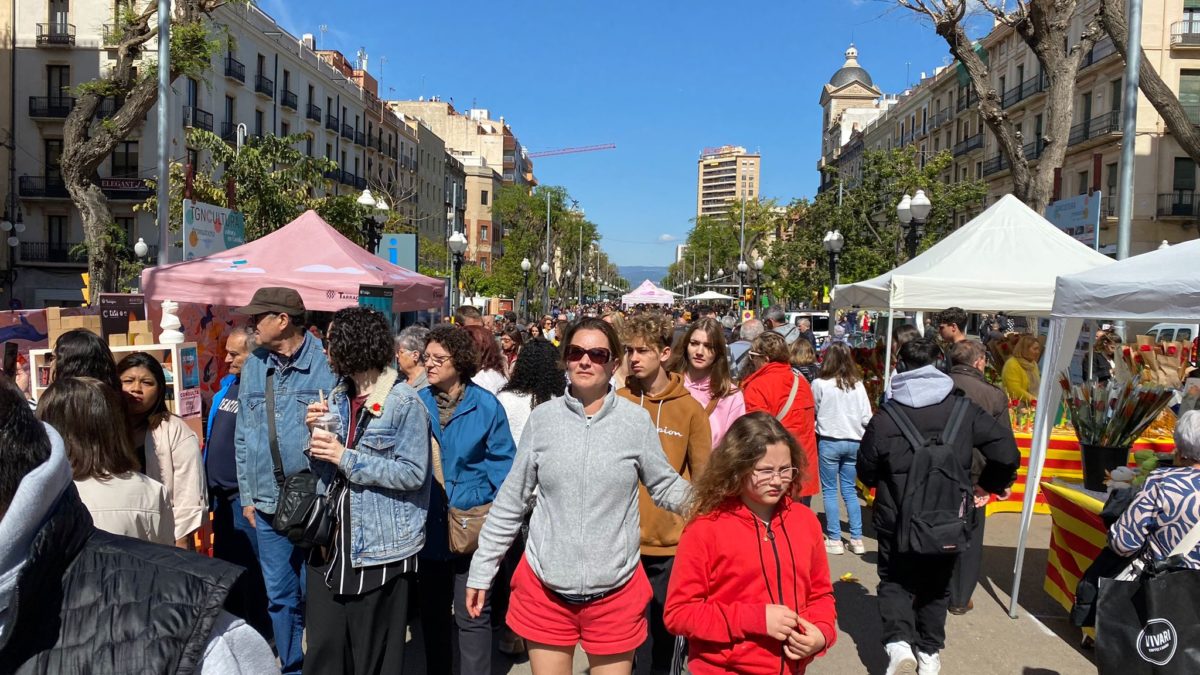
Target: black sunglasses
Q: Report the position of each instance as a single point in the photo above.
(598, 356)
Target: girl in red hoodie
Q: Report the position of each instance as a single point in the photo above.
(750, 589)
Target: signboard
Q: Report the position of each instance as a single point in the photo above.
(378, 298)
(118, 309)
(191, 368)
(1077, 216)
(190, 403)
(209, 229)
(399, 249)
(127, 184)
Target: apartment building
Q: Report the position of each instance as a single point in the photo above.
(484, 233)
(940, 113)
(725, 174)
(428, 197)
(266, 79)
(476, 133)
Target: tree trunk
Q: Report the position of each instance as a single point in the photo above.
(1165, 101)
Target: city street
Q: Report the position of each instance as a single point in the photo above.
(983, 642)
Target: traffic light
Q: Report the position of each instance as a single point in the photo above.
(86, 290)
(749, 295)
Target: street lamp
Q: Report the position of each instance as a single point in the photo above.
(9, 274)
(373, 223)
(545, 270)
(741, 268)
(458, 245)
(912, 212)
(525, 265)
(758, 268)
(140, 249)
(833, 243)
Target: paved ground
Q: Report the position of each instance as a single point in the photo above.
(984, 642)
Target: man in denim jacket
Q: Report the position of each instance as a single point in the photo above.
(300, 374)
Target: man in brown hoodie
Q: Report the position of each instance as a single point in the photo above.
(686, 439)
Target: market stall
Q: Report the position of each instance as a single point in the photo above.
(1157, 286)
(307, 254)
(648, 294)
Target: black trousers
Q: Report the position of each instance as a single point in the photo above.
(914, 592)
(234, 541)
(442, 587)
(356, 634)
(968, 565)
(654, 656)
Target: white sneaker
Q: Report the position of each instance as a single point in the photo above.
(834, 547)
(928, 664)
(857, 547)
(900, 658)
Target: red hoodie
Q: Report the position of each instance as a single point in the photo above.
(721, 585)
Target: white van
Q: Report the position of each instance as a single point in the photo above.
(1174, 332)
(819, 321)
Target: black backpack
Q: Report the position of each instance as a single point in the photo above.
(935, 509)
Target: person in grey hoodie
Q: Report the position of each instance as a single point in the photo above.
(586, 452)
(914, 589)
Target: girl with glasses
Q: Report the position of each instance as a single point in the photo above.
(751, 590)
(580, 580)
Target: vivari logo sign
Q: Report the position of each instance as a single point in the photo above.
(1157, 641)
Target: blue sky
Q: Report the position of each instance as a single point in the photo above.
(661, 79)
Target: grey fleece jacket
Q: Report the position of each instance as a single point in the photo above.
(584, 534)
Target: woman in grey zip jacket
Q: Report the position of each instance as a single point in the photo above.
(585, 453)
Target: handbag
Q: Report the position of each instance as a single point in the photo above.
(464, 524)
(298, 496)
(1148, 617)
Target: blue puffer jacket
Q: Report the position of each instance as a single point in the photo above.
(477, 452)
(388, 472)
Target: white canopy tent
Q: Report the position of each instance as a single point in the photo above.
(1157, 286)
(1006, 259)
(710, 295)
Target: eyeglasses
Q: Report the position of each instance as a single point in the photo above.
(435, 360)
(598, 355)
(786, 475)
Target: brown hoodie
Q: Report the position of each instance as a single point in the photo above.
(686, 440)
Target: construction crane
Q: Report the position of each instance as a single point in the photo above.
(569, 151)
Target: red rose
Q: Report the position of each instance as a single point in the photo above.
(376, 407)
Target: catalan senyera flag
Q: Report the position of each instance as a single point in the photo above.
(1076, 538)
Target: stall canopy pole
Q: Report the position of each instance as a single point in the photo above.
(887, 352)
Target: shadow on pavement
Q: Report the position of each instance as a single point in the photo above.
(858, 617)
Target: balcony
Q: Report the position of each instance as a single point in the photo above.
(313, 113)
(347, 132)
(56, 35)
(360, 138)
(995, 164)
(125, 189)
(287, 99)
(264, 85)
(235, 70)
(1112, 202)
(360, 182)
(51, 107)
(1097, 127)
(941, 117)
(331, 122)
(43, 187)
(109, 107)
(969, 145)
(1034, 150)
(1099, 52)
(197, 118)
(1178, 204)
(229, 132)
(1034, 85)
(970, 100)
(1185, 34)
(50, 252)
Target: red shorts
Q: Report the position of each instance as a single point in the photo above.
(614, 624)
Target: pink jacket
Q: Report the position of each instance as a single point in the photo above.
(726, 411)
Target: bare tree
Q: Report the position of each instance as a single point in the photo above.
(131, 91)
(1043, 25)
(1165, 101)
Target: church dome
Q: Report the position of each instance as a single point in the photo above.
(850, 72)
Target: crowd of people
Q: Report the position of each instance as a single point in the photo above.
(634, 482)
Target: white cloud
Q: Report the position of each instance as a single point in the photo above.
(327, 269)
(667, 237)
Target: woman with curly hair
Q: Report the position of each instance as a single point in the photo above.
(510, 347)
(703, 360)
(537, 377)
(167, 449)
(770, 610)
(473, 451)
(490, 374)
(375, 471)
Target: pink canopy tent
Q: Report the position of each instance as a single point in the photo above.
(648, 294)
(308, 255)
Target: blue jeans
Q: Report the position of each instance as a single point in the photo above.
(283, 574)
(838, 474)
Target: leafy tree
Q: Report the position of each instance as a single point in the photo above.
(719, 238)
(130, 85)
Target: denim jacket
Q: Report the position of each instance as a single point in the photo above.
(297, 383)
(388, 471)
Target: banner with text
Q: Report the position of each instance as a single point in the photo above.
(209, 229)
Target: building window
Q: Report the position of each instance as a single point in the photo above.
(285, 129)
(53, 148)
(193, 157)
(308, 145)
(58, 82)
(483, 264)
(258, 123)
(1083, 183)
(125, 160)
(262, 64)
(1115, 93)
(483, 197)
(193, 93)
(287, 80)
(1184, 179)
(483, 233)
(329, 152)
(1111, 182)
(56, 230)
(127, 225)
(230, 110)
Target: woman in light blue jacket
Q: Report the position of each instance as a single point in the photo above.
(375, 470)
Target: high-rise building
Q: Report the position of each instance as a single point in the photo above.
(723, 175)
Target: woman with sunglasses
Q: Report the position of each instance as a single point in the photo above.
(580, 580)
(473, 451)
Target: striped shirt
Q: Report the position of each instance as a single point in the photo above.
(1161, 516)
(341, 576)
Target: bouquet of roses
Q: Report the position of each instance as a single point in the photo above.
(1113, 415)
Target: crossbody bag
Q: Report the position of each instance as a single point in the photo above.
(464, 524)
